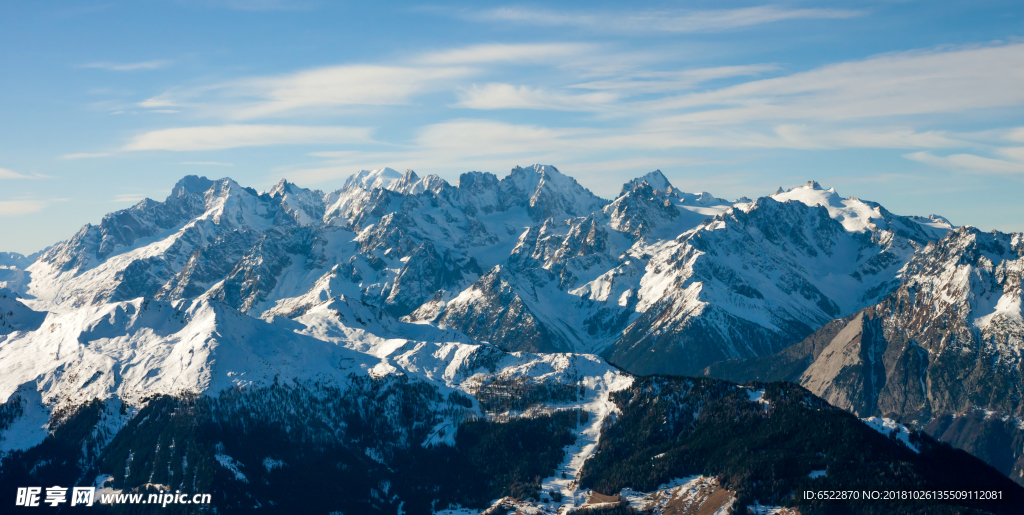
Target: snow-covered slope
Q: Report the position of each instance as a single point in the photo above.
(15, 316)
(140, 348)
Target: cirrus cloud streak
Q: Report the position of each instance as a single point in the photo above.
(233, 136)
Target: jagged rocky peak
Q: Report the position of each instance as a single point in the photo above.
(642, 206)
(405, 183)
(305, 205)
(477, 181)
(283, 188)
(656, 180)
(969, 246)
(659, 186)
(412, 184)
(201, 187)
(191, 185)
(548, 193)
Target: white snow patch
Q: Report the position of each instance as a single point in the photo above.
(758, 397)
(887, 426)
(373, 455)
(271, 464)
(229, 463)
(757, 509)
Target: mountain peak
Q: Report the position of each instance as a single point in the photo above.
(191, 184)
(406, 183)
(547, 192)
(655, 179)
(282, 187)
(372, 179)
(812, 188)
(537, 169)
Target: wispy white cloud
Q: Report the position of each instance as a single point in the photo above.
(25, 206)
(905, 83)
(85, 155)
(233, 136)
(206, 163)
(127, 67)
(310, 91)
(1016, 135)
(660, 20)
(1015, 153)
(673, 81)
(472, 143)
(326, 90)
(506, 53)
(968, 163)
(508, 96)
(8, 174)
(21, 207)
(802, 136)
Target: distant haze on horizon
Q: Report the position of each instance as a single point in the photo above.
(916, 105)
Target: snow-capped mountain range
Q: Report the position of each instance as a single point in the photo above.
(655, 269)
(529, 279)
(657, 280)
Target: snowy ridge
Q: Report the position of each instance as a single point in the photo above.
(859, 216)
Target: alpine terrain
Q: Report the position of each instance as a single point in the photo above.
(513, 344)
(941, 353)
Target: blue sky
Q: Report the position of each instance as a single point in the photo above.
(918, 105)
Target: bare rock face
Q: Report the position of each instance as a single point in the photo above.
(425, 274)
(639, 210)
(505, 310)
(942, 352)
